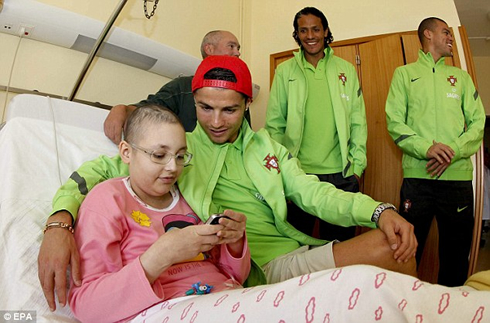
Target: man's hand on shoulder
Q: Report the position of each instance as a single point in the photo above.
(58, 250)
(115, 120)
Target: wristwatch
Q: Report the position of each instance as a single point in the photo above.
(377, 212)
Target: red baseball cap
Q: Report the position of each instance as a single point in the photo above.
(232, 63)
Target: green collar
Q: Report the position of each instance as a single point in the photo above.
(428, 59)
(299, 55)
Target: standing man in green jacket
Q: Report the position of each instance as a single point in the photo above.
(316, 110)
(436, 117)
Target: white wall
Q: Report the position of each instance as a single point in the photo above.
(54, 70)
(180, 24)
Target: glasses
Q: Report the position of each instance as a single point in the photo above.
(163, 157)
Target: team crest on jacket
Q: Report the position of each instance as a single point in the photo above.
(452, 80)
(272, 162)
(407, 205)
(343, 78)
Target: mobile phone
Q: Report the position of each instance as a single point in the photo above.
(214, 219)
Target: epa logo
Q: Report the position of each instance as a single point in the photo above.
(19, 316)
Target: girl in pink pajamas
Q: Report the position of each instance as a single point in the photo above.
(140, 242)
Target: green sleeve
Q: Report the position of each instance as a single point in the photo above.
(322, 198)
(470, 141)
(358, 130)
(71, 195)
(396, 113)
(276, 116)
(256, 276)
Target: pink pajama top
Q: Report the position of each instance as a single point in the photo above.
(113, 229)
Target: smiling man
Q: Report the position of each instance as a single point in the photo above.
(316, 109)
(436, 117)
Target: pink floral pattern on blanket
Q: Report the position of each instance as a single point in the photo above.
(351, 294)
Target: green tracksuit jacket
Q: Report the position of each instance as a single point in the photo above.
(198, 181)
(285, 120)
(432, 101)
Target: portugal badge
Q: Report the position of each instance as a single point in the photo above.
(271, 162)
(452, 80)
(407, 205)
(343, 78)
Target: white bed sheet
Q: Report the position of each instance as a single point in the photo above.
(43, 141)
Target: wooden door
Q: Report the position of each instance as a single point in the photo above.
(383, 175)
(347, 52)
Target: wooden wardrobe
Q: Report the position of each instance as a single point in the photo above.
(376, 58)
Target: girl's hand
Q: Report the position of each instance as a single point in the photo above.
(178, 245)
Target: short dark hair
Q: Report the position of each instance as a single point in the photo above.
(222, 74)
(427, 23)
(317, 13)
(135, 125)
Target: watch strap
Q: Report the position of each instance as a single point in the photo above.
(379, 209)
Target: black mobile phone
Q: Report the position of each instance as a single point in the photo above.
(214, 219)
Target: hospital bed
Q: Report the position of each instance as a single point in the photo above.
(44, 140)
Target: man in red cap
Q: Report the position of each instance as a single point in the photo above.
(176, 94)
(235, 168)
